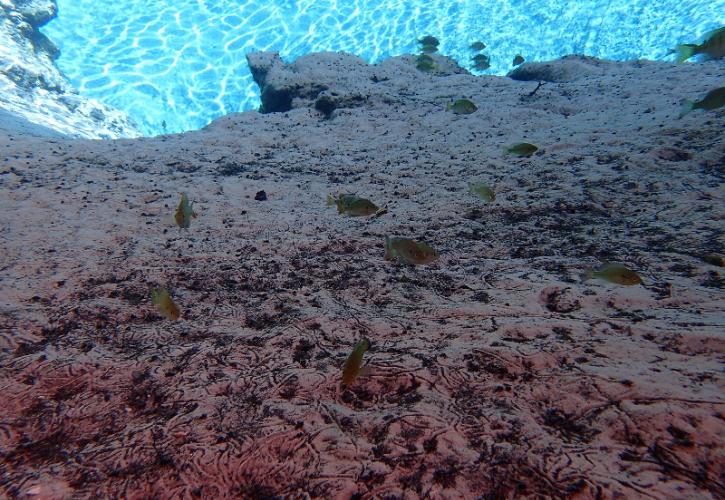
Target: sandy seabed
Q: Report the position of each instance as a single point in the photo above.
(495, 372)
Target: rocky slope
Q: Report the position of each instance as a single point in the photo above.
(495, 372)
(32, 87)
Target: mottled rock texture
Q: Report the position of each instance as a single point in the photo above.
(495, 372)
(32, 87)
(566, 69)
(330, 80)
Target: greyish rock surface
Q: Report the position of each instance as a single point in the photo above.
(566, 69)
(331, 80)
(494, 372)
(33, 88)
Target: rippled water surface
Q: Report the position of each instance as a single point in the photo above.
(177, 65)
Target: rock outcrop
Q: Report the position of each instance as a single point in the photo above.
(31, 85)
(566, 69)
(328, 81)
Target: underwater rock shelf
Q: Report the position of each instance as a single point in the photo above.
(34, 89)
(494, 371)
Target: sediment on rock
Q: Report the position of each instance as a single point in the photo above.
(328, 81)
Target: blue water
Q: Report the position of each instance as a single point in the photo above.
(177, 65)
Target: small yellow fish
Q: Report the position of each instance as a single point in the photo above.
(615, 273)
(481, 62)
(482, 191)
(713, 45)
(478, 46)
(462, 107)
(409, 251)
(429, 40)
(351, 369)
(352, 205)
(184, 212)
(165, 305)
(518, 60)
(713, 100)
(521, 149)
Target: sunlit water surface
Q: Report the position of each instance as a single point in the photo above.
(177, 65)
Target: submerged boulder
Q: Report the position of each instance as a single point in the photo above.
(566, 69)
(328, 81)
(35, 89)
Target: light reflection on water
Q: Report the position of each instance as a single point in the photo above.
(177, 65)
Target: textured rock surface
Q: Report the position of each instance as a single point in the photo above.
(328, 80)
(566, 69)
(495, 372)
(32, 87)
(35, 12)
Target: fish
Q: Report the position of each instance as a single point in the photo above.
(165, 305)
(521, 149)
(713, 46)
(184, 212)
(429, 40)
(341, 198)
(424, 62)
(482, 191)
(409, 251)
(481, 62)
(713, 100)
(478, 46)
(429, 49)
(518, 60)
(614, 273)
(462, 107)
(353, 205)
(352, 365)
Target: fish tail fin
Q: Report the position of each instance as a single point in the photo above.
(687, 106)
(155, 296)
(449, 107)
(388, 249)
(685, 51)
(330, 200)
(587, 274)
